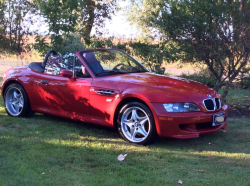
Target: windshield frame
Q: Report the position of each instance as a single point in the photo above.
(110, 73)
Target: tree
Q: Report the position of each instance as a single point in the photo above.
(68, 16)
(93, 13)
(217, 31)
(60, 15)
(2, 22)
(16, 19)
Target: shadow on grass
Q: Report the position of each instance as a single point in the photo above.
(34, 156)
(48, 150)
(234, 140)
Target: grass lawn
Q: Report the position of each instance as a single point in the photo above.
(46, 150)
(239, 97)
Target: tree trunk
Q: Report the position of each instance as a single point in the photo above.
(217, 86)
(225, 91)
(10, 24)
(89, 24)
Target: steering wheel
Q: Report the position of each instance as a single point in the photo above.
(118, 65)
(47, 56)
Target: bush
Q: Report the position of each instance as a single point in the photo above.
(245, 82)
(41, 45)
(204, 77)
(68, 44)
(71, 44)
(101, 42)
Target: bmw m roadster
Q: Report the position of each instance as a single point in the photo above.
(110, 88)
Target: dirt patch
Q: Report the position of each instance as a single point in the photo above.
(238, 112)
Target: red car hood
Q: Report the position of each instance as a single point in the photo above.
(164, 86)
(176, 84)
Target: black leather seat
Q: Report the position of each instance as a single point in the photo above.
(40, 66)
(36, 66)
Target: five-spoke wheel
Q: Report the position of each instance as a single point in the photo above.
(16, 100)
(136, 123)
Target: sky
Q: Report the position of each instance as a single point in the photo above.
(120, 27)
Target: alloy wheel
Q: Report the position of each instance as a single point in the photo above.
(135, 124)
(14, 101)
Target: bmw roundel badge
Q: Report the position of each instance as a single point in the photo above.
(209, 96)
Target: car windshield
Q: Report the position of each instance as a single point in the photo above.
(108, 62)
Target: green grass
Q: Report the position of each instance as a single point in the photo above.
(46, 150)
(238, 97)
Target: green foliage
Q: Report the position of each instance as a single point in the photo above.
(71, 44)
(151, 55)
(93, 13)
(216, 32)
(71, 16)
(97, 42)
(16, 18)
(245, 82)
(205, 77)
(61, 17)
(59, 14)
(41, 45)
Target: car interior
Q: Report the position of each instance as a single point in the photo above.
(40, 66)
(53, 64)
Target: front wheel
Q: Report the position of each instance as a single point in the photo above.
(136, 123)
(16, 101)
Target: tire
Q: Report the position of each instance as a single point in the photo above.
(136, 124)
(16, 101)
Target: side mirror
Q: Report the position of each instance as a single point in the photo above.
(66, 73)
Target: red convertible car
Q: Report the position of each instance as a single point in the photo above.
(109, 87)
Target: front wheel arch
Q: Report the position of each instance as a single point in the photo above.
(124, 102)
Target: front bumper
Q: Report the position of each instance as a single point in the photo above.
(186, 125)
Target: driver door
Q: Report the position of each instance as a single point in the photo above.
(64, 96)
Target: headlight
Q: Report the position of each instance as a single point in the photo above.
(181, 107)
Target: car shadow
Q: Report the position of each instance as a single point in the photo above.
(219, 141)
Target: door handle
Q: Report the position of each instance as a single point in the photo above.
(44, 82)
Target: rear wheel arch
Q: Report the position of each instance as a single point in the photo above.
(15, 84)
(7, 84)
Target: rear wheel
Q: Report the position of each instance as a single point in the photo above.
(136, 124)
(16, 101)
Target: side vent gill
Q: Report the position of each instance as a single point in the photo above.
(105, 92)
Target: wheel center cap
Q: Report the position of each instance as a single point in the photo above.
(136, 124)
